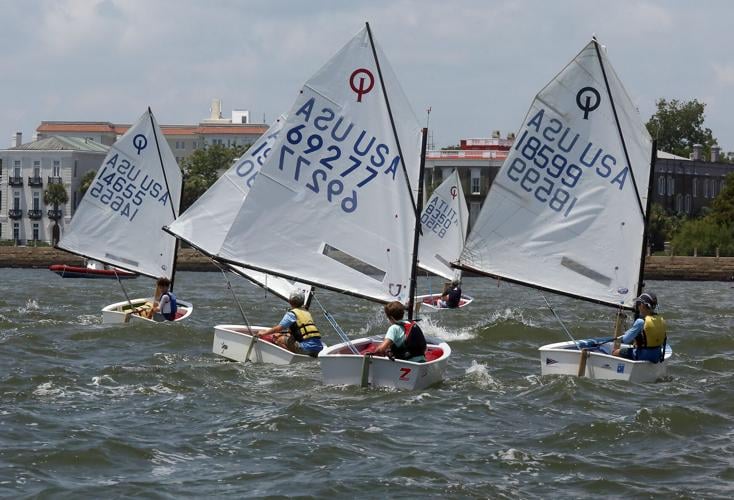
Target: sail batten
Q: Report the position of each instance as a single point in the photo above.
(563, 213)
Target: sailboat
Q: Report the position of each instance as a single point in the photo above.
(443, 221)
(567, 211)
(205, 224)
(336, 205)
(137, 190)
(92, 270)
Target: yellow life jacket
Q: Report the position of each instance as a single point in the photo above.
(304, 327)
(653, 332)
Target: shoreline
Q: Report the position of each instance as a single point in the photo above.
(657, 267)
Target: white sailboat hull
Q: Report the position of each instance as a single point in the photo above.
(233, 342)
(431, 302)
(117, 313)
(563, 358)
(339, 366)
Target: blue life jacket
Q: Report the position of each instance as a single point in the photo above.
(174, 307)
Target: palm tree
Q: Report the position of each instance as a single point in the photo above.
(55, 195)
(86, 181)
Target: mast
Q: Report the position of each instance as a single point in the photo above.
(168, 189)
(417, 204)
(653, 159)
(417, 230)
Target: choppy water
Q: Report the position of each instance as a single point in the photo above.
(92, 411)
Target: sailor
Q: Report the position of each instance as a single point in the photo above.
(403, 339)
(164, 303)
(302, 336)
(648, 333)
(451, 297)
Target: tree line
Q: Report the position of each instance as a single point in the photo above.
(677, 126)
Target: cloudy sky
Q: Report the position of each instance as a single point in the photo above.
(476, 63)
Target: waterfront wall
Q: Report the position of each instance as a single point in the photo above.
(656, 267)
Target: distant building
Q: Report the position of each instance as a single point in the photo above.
(26, 170)
(680, 185)
(687, 186)
(183, 139)
(476, 160)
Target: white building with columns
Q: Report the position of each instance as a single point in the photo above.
(26, 171)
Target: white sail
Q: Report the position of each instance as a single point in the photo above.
(567, 210)
(331, 206)
(206, 222)
(135, 193)
(443, 222)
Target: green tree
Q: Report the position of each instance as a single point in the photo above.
(55, 195)
(722, 208)
(203, 168)
(86, 181)
(704, 235)
(661, 227)
(678, 125)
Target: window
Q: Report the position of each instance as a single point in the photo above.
(475, 181)
(36, 168)
(671, 185)
(36, 232)
(56, 169)
(194, 145)
(16, 200)
(688, 204)
(661, 185)
(705, 188)
(16, 168)
(475, 186)
(695, 187)
(36, 201)
(16, 231)
(679, 203)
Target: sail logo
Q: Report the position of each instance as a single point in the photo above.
(140, 142)
(394, 286)
(357, 82)
(454, 192)
(586, 105)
